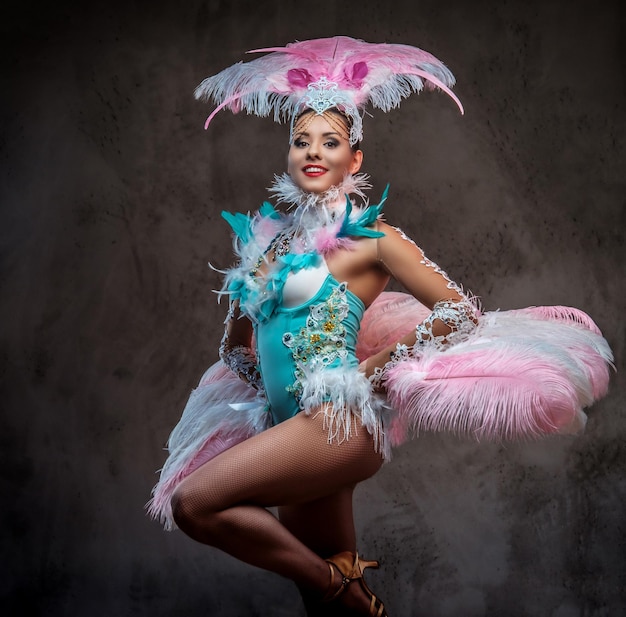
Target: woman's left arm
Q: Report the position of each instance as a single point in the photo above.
(453, 315)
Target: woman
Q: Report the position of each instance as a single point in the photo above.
(294, 464)
(300, 289)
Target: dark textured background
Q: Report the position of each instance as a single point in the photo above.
(111, 193)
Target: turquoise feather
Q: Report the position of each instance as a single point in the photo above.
(262, 300)
(267, 209)
(241, 224)
(361, 227)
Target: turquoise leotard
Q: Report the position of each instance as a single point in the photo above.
(320, 334)
(305, 353)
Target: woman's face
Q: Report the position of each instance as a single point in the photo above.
(320, 154)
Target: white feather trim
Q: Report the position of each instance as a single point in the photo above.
(217, 415)
(349, 399)
(288, 192)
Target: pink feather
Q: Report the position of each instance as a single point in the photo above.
(215, 373)
(392, 315)
(265, 229)
(524, 373)
(379, 73)
(566, 314)
(159, 507)
(326, 240)
(221, 412)
(487, 393)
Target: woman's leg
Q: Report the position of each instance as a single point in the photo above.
(326, 526)
(223, 503)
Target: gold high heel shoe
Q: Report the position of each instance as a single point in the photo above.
(351, 567)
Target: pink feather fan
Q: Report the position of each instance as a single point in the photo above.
(221, 412)
(523, 374)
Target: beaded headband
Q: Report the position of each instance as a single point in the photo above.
(336, 120)
(320, 74)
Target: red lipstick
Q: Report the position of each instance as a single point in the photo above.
(313, 171)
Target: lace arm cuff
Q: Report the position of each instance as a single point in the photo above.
(379, 376)
(460, 317)
(241, 360)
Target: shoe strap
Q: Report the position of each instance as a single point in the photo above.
(330, 594)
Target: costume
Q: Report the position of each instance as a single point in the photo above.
(338, 72)
(502, 375)
(308, 335)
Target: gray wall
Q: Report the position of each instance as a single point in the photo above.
(111, 193)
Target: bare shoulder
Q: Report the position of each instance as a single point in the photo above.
(397, 243)
(393, 232)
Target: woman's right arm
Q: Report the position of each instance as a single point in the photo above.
(236, 347)
(454, 316)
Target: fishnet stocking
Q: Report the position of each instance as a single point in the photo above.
(325, 525)
(223, 503)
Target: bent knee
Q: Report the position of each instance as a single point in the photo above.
(192, 511)
(198, 520)
(181, 507)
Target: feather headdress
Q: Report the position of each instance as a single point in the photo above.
(320, 74)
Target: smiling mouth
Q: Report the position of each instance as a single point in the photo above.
(314, 170)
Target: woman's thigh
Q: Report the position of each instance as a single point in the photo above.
(289, 463)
